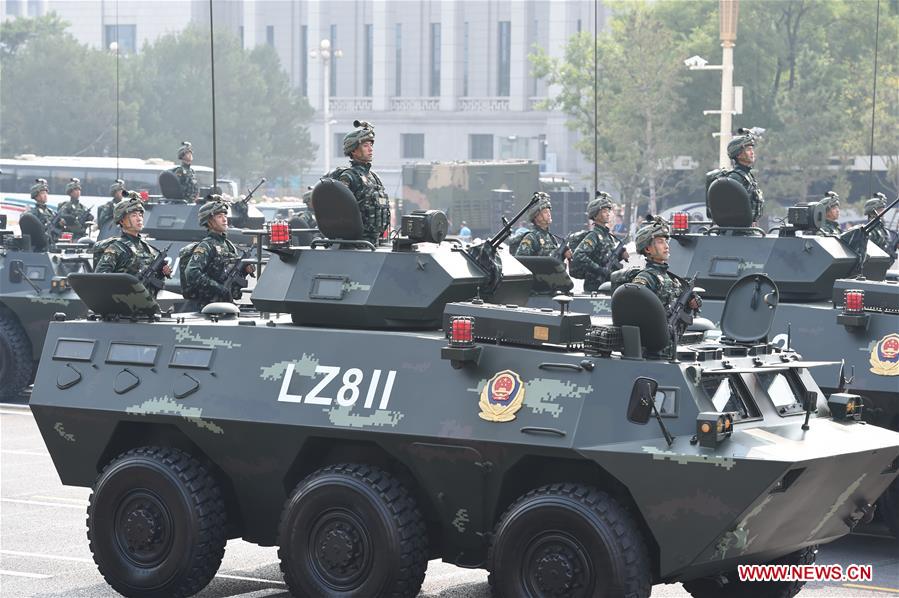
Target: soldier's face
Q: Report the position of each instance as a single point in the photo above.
(604, 216)
(75, 194)
(659, 250)
(365, 151)
(832, 213)
(544, 218)
(117, 196)
(41, 198)
(218, 223)
(188, 157)
(133, 222)
(747, 156)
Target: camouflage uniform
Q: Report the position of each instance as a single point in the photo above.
(830, 228)
(538, 241)
(206, 267)
(366, 186)
(40, 211)
(593, 257)
(128, 254)
(743, 174)
(879, 235)
(186, 175)
(104, 212)
(74, 213)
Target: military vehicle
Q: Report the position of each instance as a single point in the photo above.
(375, 413)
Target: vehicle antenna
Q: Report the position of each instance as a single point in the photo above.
(873, 105)
(118, 173)
(215, 177)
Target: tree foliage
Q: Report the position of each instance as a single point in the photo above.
(59, 97)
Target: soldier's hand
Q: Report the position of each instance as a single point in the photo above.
(567, 255)
(167, 270)
(625, 256)
(250, 269)
(695, 303)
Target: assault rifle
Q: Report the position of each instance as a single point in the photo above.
(55, 227)
(680, 316)
(857, 238)
(249, 195)
(235, 276)
(151, 276)
(617, 255)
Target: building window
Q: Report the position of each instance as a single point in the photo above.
(126, 38)
(535, 28)
(578, 25)
(304, 59)
(504, 53)
(480, 147)
(369, 59)
(12, 7)
(398, 91)
(34, 8)
(270, 35)
(413, 145)
(465, 59)
(435, 59)
(332, 84)
(337, 152)
(240, 33)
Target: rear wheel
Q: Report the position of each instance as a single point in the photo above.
(156, 524)
(352, 530)
(568, 540)
(730, 586)
(16, 364)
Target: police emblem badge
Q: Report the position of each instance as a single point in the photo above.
(884, 357)
(501, 397)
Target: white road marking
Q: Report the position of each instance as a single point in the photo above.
(41, 503)
(241, 578)
(23, 574)
(30, 453)
(257, 593)
(25, 411)
(81, 501)
(51, 557)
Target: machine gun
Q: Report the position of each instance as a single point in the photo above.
(680, 317)
(857, 238)
(484, 255)
(249, 195)
(235, 276)
(151, 276)
(617, 255)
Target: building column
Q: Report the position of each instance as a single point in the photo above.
(383, 47)
(518, 76)
(314, 82)
(450, 55)
(249, 24)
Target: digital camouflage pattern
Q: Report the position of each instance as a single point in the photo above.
(104, 212)
(543, 203)
(370, 195)
(73, 184)
(76, 216)
(743, 175)
(42, 213)
(830, 228)
(206, 267)
(363, 132)
(594, 258)
(646, 233)
(128, 254)
(38, 186)
(131, 204)
(736, 145)
(538, 242)
(881, 237)
(214, 205)
(875, 204)
(602, 200)
(187, 178)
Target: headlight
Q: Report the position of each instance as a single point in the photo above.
(845, 406)
(713, 427)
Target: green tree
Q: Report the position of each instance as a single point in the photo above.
(16, 33)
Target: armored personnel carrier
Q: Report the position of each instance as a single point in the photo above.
(375, 414)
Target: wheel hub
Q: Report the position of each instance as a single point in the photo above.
(142, 529)
(556, 566)
(340, 548)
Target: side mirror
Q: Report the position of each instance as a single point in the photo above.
(643, 393)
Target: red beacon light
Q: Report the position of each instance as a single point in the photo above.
(680, 222)
(462, 331)
(279, 233)
(65, 236)
(144, 195)
(854, 301)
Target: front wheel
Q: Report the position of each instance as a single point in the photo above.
(16, 364)
(156, 524)
(568, 540)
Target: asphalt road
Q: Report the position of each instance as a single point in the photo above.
(44, 550)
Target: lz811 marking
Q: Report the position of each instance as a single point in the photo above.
(347, 394)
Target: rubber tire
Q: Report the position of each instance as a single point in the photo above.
(707, 587)
(194, 513)
(394, 547)
(591, 522)
(16, 364)
(888, 507)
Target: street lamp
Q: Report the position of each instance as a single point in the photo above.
(728, 28)
(324, 52)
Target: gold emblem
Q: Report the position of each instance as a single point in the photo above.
(502, 397)
(884, 358)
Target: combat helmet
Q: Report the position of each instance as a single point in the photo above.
(130, 203)
(185, 147)
(831, 200)
(214, 205)
(38, 186)
(602, 200)
(543, 202)
(875, 204)
(657, 228)
(73, 184)
(364, 131)
(745, 139)
(118, 185)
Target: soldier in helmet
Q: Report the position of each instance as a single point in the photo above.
(129, 253)
(39, 191)
(204, 268)
(366, 186)
(652, 242)
(741, 150)
(594, 254)
(185, 174)
(831, 227)
(74, 213)
(879, 235)
(104, 212)
(539, 241)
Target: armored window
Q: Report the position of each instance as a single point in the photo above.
(70, 349)
(725, 266)
(413, 145)
(785, 390)
(192, 357)
(36, 272)
(132, 354)
(728, 393)
(504, 58)
(666, 401)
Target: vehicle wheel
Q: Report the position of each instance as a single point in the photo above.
(156, 524)
(568, 540)
(352, 530)
(16, 364)
(888, 506)
(730, 586)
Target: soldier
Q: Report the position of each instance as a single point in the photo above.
(652, 242)
(185, 174)
(741, 151)
(594, 254)
(539, 241)
(879, 235)
(39, 191)
(205, 268)
(104, 212)
(366, 186)
(74, 213)
(831, 227)
(129, 253)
